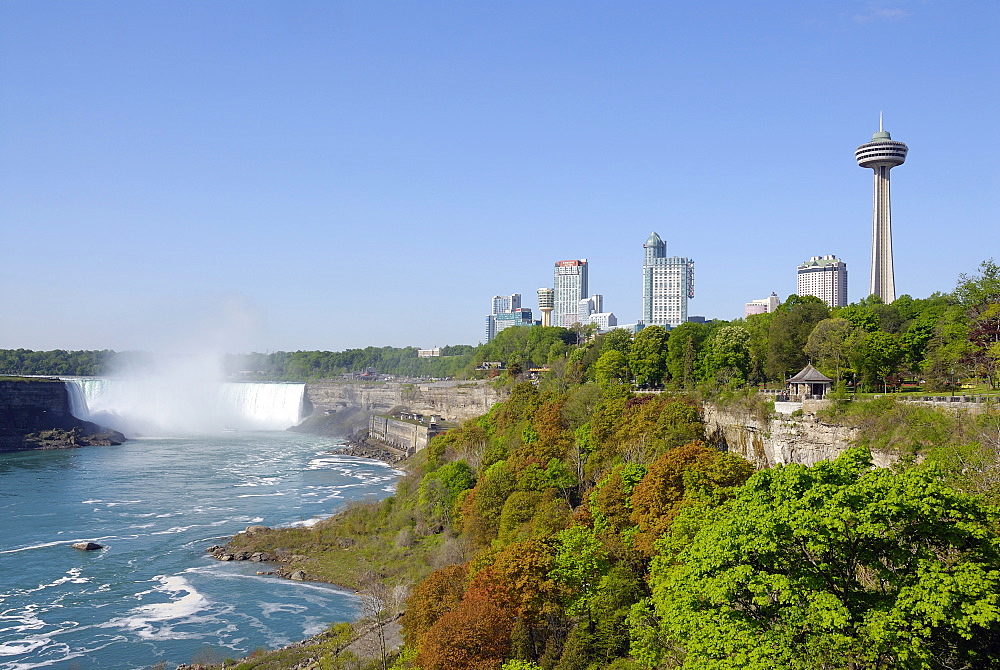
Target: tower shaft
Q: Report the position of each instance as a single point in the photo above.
(882, 282)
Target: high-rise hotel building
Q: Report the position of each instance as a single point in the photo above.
(570, 279)
(667, 284)
(824, 277)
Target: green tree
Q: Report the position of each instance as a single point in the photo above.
(875, 356)
(683, 347)
(617, 340)
(611, 368)
(730, 356)
(577, 566)
(834, 566)
(647, 357)
(789, 331)
(827, 345)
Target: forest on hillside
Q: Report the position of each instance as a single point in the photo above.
(583, 526)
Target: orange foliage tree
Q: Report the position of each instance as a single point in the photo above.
(517, 581)
(439, 593)
(475, 636)
(658, 498)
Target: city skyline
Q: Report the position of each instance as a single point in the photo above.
(180, 175)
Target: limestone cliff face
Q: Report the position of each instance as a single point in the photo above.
(781, 439)
(34, 406)
(453, 401)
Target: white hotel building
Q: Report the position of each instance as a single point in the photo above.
(824, 277)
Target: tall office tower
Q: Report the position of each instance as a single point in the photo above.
(570, 287)
(667, 284)
(881, 155)
(824, 277)
(546, 303)
(503, 304)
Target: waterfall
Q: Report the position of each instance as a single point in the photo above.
(165, 407)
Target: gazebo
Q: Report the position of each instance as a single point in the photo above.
(810, 381)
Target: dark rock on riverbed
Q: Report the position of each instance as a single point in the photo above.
(87, 546)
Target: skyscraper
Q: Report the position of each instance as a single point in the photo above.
(502, 304)
(881, 155)
(824, 277)
(667, 284)
(570, 279)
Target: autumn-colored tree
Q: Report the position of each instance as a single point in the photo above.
(554, 436)
(650, 425)
(657, 499)
(474, 636)
(436, 595)
(517, 581)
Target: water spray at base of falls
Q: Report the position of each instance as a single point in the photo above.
(171, 407)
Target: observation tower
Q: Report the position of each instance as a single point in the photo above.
(881, 155)
(546, 303)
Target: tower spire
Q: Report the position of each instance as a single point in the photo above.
(880, 121)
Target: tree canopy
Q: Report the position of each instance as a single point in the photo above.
(832, 566)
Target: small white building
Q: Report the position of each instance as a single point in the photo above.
(762, 306)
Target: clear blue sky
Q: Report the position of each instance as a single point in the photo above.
(323, 175)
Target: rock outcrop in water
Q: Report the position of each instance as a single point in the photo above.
(35, 414)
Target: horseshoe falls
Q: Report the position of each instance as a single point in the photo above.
(170, 406)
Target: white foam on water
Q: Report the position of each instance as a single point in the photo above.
(24, 646)
(151, 622)
(72, 576)
(267, 609)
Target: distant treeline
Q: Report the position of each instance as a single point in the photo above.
(277, 366)
(305, 365)
(57, 362)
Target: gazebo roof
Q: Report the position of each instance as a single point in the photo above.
(809, 374)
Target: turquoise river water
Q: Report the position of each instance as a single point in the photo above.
(152, 595)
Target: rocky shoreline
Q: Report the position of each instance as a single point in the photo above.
(363, 448)
(357, 447)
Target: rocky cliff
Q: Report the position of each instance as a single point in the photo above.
(781, 439)
(340, 408)
(35, 414)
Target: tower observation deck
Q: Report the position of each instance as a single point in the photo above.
(881, 155)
